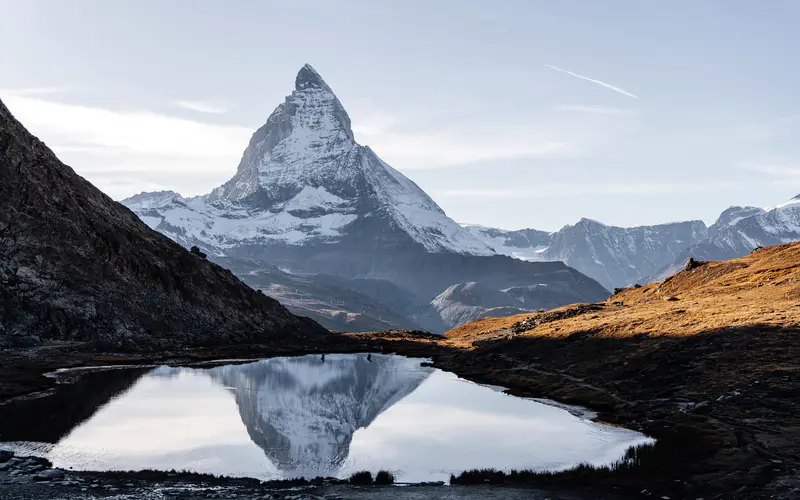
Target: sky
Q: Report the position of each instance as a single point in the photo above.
(509, 114)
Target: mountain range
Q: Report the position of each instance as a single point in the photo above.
(622, 256)
(320, 222)
(308, 205)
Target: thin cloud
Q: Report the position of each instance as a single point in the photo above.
(600, 110)
(598, 82)
(125, 151)
(203, 107)
(421, 150)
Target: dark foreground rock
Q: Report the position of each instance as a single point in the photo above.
(31, 478)
(77, 266)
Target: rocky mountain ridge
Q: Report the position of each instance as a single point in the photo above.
(77, 266)
(619, 256)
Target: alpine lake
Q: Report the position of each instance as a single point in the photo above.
(307, 416)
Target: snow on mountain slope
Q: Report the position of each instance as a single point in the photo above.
(617, 256)
(739, 230)
(304, 180)
(614, 256)
(525, 244)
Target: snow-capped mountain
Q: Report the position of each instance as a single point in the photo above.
(304, 411)
(303, 179)
(740, 230)
(614, 256)
(619, 256)
(525, 244)
(307, 199)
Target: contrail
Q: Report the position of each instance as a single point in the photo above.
(602, 84)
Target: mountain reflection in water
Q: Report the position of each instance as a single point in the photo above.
(305, 416)
(303, 411)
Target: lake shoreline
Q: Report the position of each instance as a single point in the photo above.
(699, 454)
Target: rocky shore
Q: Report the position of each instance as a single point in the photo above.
(718, 437)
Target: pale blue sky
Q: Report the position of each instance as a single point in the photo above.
(459, 95)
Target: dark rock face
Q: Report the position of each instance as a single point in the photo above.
(75, 265)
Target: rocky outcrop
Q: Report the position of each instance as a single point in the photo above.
(75, 265)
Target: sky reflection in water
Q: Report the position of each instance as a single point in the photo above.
(287, 417)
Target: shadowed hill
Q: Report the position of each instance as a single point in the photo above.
(75, 265)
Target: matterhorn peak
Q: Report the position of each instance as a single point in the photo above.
(303, 179)
(308, 77)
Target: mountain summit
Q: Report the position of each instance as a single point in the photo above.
(303, 179)
(307, 199)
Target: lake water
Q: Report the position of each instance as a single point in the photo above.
(305, 416)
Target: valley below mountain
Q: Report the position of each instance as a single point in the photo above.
(705, 362)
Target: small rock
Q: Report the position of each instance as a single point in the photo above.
(47, 475)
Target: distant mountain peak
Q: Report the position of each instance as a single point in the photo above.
(795, 200)
(303, 179)
(308, 77)
(585, 221)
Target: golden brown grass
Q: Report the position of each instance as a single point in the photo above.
(761, 288)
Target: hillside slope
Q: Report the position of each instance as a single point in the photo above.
(75, 265)
(705, 361)
(761, 288)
